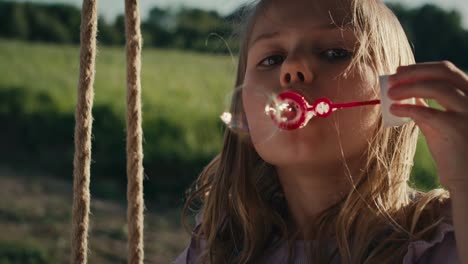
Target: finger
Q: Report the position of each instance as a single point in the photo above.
(443, 71)
(447, 97)
(423, 115)
(421, 102)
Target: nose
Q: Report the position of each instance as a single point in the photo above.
(295, 71)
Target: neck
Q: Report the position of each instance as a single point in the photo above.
(309, 190)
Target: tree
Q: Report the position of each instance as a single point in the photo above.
(108, 34)
(14, 20)
(45, 27)
(194, 26)
(437, 34)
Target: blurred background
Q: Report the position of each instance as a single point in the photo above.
(186, 71)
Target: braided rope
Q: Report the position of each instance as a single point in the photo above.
(134, 135)
(83, 126)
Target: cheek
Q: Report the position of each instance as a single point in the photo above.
(365, 118)
(265, 78)
(357, 125)
(355, 87)
(357, 129)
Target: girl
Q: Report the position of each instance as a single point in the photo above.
(336, 190)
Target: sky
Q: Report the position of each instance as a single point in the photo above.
(110, 8)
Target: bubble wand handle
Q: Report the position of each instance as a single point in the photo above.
(290, 110)
(350, 104)
(354, 104)
(323, 107)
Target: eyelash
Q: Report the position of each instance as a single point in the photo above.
(345, 54)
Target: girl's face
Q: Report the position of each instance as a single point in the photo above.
(297, 44)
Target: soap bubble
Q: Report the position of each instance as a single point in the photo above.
(254, 101)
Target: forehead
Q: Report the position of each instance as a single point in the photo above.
(301, 14)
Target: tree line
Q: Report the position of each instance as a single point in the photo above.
(436, 33)
(185, 28)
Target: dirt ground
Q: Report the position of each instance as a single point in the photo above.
(35, 215)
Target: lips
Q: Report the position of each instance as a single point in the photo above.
(288, 110)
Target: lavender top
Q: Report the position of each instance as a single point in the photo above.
(441, 248)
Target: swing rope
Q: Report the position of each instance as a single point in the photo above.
(134, 134)
(83, 128)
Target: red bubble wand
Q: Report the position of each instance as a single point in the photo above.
(290, 110)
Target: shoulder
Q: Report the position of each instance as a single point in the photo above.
(440, 248)
(190, 253)
(193, 249)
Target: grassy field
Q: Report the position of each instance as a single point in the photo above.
(182, 95)
(182, 86)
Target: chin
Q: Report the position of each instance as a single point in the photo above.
(293, 149)
(295, 161)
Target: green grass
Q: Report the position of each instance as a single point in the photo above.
(168, 77)
(187, 88)
(424, 175)
(22, 252)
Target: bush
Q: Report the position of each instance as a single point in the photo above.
(43, 139)
(22, 252)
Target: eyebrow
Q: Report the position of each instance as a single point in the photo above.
(274, 34)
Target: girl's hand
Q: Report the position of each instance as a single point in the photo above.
(446, 131)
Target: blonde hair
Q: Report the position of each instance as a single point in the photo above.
(244, 213)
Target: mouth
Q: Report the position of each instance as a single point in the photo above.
(288, 110)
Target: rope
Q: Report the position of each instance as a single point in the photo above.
(83, 125)
(83, 128)
(134, 134)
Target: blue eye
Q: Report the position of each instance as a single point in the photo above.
(336, 54)
(271, 61)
